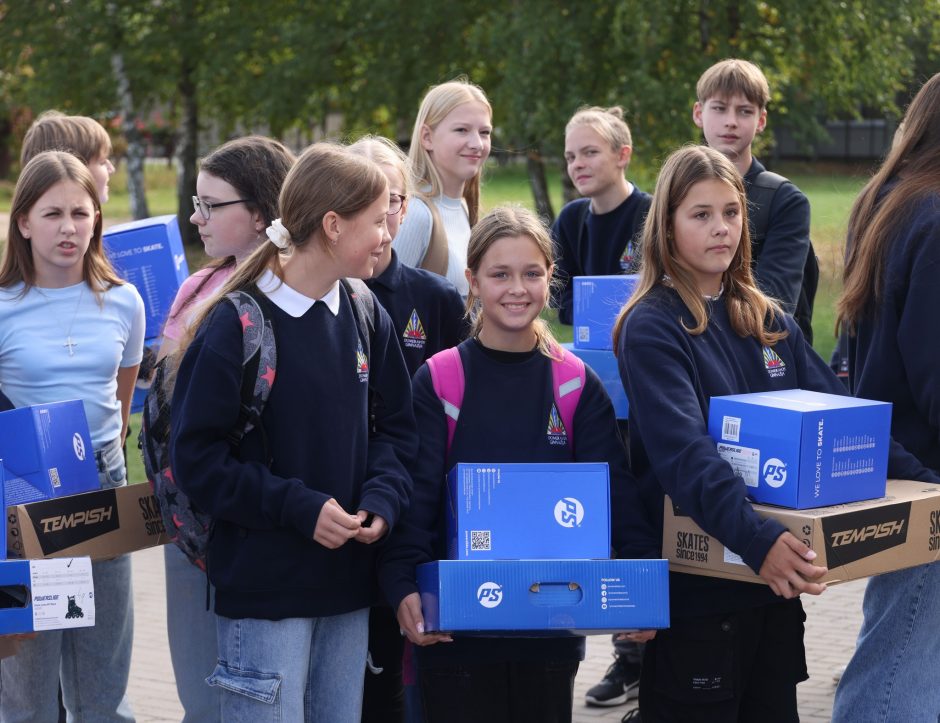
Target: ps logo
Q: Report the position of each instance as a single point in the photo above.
(775, 472)
(569, 512)
(78, 444)
(489, 594)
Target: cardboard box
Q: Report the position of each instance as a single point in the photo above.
(604, 364)
(99, 524)
(511, 511)
(803, 449)
(149, 254)
(37, 595)
(47, 452)
(549, 597)
(853, 540)
(597, 302)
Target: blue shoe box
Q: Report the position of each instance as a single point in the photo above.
(3, 508)
(802, 449)
(37, 595)
(149, 254)
(544, 597)
(47, 452)
(597, 302)
(512, 511)
(604, 364)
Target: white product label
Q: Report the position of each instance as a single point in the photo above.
(63, 594)
(584, 333)
(745, 461)
(733, 558)
(731, 429)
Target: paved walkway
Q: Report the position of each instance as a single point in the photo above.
(833, 622)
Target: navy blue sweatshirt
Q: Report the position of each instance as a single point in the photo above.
(507, 401)
(891, 356)
(670, 376)
(607, 244)
(262, 557)
(426, 309)
(779, 268)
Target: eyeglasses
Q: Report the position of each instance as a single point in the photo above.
(395, 203)
(205, 208)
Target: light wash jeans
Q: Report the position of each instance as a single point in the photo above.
(94, 663)
(192, 633)
(299, 669)
(894, 675)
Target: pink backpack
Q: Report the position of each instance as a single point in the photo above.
(446, 369)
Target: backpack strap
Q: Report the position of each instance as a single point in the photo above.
(363, 305)
(259, 362)
(760, 195)
(567, 384)
(447, 377)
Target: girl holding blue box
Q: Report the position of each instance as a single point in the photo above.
(508, 415)
(698, 327)
(70, 328)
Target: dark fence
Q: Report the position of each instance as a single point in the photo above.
(851, 140)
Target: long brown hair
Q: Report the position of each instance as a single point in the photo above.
(508, 222)
(43, 172)
(325, 178)
(913, 166)
(750, 311)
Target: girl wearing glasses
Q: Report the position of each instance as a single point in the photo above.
(238, 187)
(70, 328)
(297, 506)
(428, 315)
(449, 145)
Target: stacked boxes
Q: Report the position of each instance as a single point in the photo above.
(817, 463)
(604, 364)
(149, 254)
(511, 531)
(53, 502)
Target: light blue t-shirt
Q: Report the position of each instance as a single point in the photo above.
(35, 364)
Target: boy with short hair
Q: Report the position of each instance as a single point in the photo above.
(731, 110)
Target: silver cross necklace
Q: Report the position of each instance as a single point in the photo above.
(69, 343)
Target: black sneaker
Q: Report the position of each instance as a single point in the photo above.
(617, 687)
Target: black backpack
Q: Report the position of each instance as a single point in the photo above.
(760, 197)
(186, 525)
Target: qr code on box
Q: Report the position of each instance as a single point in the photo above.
(584, 333)
(479, 540)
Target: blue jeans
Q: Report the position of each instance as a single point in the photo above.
(93, 663)
(192, 634)
(892, 677)
(299, 669)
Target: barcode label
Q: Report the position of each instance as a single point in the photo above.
(731, 429)
(54, 477)
(480, 540)
(584, 333)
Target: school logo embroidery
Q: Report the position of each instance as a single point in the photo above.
(414, 336)
(556, 428)
(773, 363)
(626, 258)
(362, 364)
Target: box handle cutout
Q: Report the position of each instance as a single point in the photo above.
(14, 596)
(555, 594)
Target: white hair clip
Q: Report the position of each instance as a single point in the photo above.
(277, 234)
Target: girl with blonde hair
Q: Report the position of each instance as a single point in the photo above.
(449, 146)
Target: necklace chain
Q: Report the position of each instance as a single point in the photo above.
(69, 344)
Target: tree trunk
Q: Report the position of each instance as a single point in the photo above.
(6, 129)
(135, 145)
(186, 154)
(535, 166)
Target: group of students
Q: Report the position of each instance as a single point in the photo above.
(335, 496)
